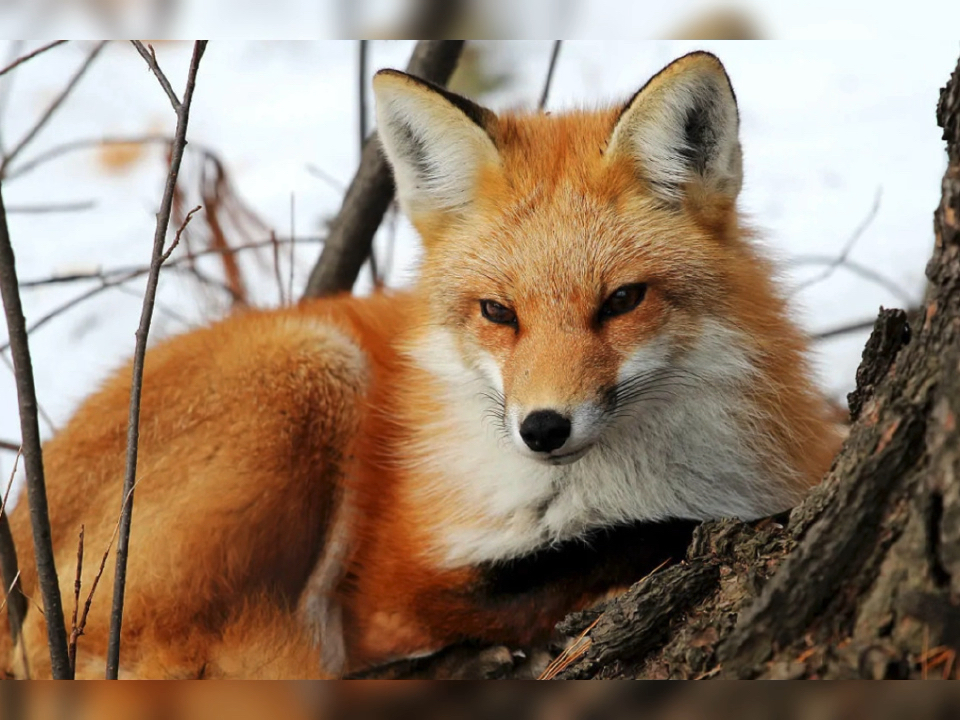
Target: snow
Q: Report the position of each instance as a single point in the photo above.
(826, 126)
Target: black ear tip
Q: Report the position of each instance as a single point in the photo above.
(704, 55)
(390, 72)
(709, 57)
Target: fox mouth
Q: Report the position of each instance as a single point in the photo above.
(567, 458)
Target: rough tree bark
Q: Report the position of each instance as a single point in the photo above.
(863, 578)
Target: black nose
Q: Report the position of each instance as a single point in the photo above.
(544, 430)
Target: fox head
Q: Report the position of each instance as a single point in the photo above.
(584, 264)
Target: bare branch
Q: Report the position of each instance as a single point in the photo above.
(43, 413)
(362, 91)
(82, 624)
(32, 455)
(176, 239)
(151, 57)
(118, 277)
(841, 259)
(138, 270)
(326, 177)
(51, 109)
(858, 269)
(30, 56)
(13, 474)
(371, 190)
(107, 284)
(83, 144)
(554, 54)
(275, 246)
(133, 431)
(362, 115)
(74, 628)
(293, 233)
(14, 600)
(48, 208)
(858, 326)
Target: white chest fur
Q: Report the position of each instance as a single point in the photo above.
(688, 454)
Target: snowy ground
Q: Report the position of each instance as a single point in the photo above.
(826, 127)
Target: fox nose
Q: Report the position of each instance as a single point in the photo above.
(544, 430)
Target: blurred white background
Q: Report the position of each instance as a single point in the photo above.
(838, 135)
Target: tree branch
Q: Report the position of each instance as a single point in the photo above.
(30, 56)
(48, 113)
(133, 431)
(841, 259)
(151, 57)
(32, 455)
(352, 231)
(554, 54)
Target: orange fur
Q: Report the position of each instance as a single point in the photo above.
(258, 430)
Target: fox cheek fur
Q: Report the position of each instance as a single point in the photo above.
(703, 389)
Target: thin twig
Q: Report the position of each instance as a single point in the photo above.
(133, 430)
(7, 590)
(73, 302)
(74, 628)
(11, 446)
(44, 415)
(151, 58)
(48, 208)
(578, 648)
(329, 179)
(32, 455)
(293, 233)
(87, 144)
(362, 114)
(161, 309)
(841, 259)
(856, 268)
(30, 56)
(16, 47)
(859, 326)
(176, 239)
(81, 626)
(13, 474)
(138, 270)
(118, 277)
(13, 599)
(571, 653)
(554, 54)
(51, 109)
(276, 268)
(362, 91)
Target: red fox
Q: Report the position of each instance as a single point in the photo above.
(594, 356)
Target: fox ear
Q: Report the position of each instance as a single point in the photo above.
(681, 129)
(435, 140)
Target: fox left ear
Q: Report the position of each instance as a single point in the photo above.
(681, 130)
(436, 141)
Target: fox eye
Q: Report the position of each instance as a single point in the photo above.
(497, 313)
(623, 300)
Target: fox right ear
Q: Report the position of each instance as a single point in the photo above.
(435, 140)
(681, 130)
